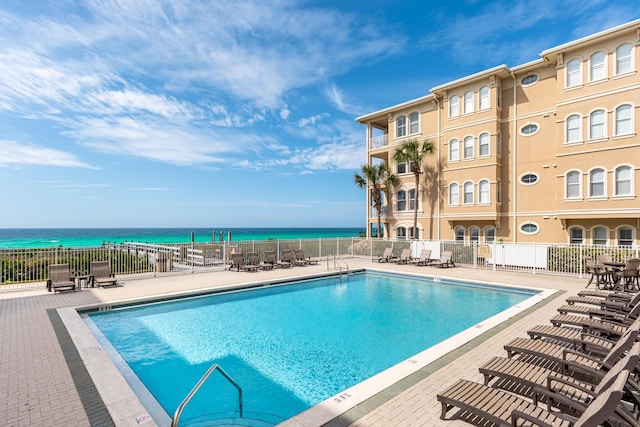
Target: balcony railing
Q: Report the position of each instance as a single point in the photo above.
(383, 212)
(379, 141)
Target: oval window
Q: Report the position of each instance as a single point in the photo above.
(529, 178)
(529, 228)
(529, 80)
(529, 129)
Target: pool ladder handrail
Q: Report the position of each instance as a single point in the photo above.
(194, 390)
(337, 264)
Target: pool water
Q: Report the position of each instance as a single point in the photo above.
(292, 346)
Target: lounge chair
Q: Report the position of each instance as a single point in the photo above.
(60, 278)
(270, 257)
(299, 255)
(424, 258)
(611, 324)
(387, 254)
(101, 274)
(287, 256)
(445, 260)
(254, 259)
(237, 261)
(405, 256)
(607, 307)
(505, 409)
(527, 379)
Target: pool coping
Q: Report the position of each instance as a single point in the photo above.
(125, 406)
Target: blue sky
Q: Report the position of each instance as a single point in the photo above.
(133, 113)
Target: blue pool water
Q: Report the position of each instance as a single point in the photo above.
(291, 346)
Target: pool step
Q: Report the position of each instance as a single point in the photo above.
(250, 419)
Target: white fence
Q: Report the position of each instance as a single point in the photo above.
(29, 267)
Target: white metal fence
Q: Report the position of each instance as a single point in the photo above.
(29, 267)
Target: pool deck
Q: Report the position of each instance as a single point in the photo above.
(38, 389)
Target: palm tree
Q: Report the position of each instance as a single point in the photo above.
(413, 151)
(379, 177)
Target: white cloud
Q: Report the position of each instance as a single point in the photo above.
(311, 120)
(15, 154)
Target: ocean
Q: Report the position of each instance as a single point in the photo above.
(14, 238)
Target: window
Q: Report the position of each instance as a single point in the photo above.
(529, 228)
(597, 66)
(483, 191)
(403, 168)
(454, 150)
(597, 125)
(573, 185)
(623, 119)
(597, 183)
(483, 144)
(499, 191)
(485, 100)
(625, 236)
(529, 80)
(412, 233)
(489, 234)
(401, 127)
(624, 59)
(529, 129)
(574, 133)
(468, 193)
(401, 204)
(599, 236)
(474, 234)
(623, 181)
(499, 143)
(574, 73)
(401, 233)
(414, 123)
(454, 194)
(468, 147)
(412, 199)
(576, 236)
(460, 234)
(529, 178)
(468, 102)
(454, 106)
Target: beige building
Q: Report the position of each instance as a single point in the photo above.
(546, 151)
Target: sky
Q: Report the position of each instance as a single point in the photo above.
(197, 113)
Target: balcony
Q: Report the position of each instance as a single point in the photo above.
(379, 141)
(383, 212)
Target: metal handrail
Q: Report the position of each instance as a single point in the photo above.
(194, 390)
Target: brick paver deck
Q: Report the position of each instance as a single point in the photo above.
(37, 388)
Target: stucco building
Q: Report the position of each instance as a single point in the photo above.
(546, 151)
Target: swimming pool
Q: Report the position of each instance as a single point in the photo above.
(292, 346)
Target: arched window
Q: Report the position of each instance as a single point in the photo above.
(624, 59)
(573, 189)
(597, 183)
(454, 150)
(483, 191)
(474, 234)
(623, 120)
(401, 127)
(574, 73)
(597, 124)
(600, 235)
(485, 100)
(468, 193)
(574, 131)
(401, 233)
(460, 234)
(454, 106)
(468, 147)
(598, 66)
(414, 123)
(623, 181)
(625, 236)
(483, 144)
(489, 234)
(401, 202)
(468, 102)
(454, 194)
(576, 235)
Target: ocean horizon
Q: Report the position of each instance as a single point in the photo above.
(25, 238)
